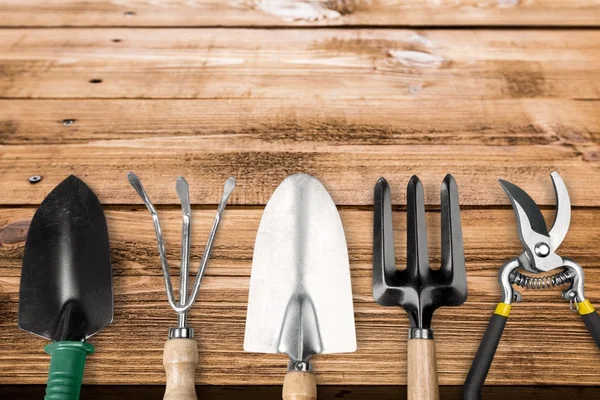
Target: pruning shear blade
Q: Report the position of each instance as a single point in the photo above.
(539, 244)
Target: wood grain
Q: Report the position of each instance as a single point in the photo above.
(31, 13)
(348, 172)
(422, 370)
(297, 63)
(299, 386)
(533, 340)
(346, 143)
(180, 359)
(348, 105)
(305, 123)
(490, 238)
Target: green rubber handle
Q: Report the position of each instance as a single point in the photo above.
(67, 360)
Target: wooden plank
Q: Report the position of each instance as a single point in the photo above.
(349, 172)
(327, 392)
(135, 253)
(31, 13)
(142, 317)
(290, 64)
(312, 123)
(395, 137)
(540, 335)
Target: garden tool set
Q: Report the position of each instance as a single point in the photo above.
(418, 288)
(300, 300)
(300, 297)
(180, 356)
(539, 256)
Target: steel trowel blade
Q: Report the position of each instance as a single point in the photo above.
(300, 300)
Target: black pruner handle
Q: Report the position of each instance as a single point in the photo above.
(591, 319)
(485, 354)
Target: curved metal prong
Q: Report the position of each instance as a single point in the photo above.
(562, 219)
(135, 182)
(137, 185)
(183, 190)
(227, 189)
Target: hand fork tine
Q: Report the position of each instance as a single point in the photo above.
(453, 254)
(417, 258)
(384, 233)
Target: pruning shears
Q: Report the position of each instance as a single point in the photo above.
(539, 256)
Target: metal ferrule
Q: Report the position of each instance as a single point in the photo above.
(181, 333)
(420, 333)
(299, 366)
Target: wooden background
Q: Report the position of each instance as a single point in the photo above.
(346, 90)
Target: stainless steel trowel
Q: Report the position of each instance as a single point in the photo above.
(300, 300)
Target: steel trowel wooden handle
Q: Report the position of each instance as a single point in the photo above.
(299, 386)
(180, 359)
(422, 370)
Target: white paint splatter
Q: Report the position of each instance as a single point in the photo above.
(508, 3)
(498, 3)
(304, 10)
(420, 39)
(419, 59)
(298, 11)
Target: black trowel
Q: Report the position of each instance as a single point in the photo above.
(66, 292)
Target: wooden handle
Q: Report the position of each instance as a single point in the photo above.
(422, 370)
(299, 386)
(180, 359)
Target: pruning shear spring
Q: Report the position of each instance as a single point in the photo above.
(539, 256)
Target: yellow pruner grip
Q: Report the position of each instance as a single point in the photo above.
(504, 309)
(585, 307)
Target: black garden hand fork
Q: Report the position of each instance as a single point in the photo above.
(538, 257)
(418, 288)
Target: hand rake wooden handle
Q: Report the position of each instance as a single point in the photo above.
(180, 359)
(422, 370)
(299, 385)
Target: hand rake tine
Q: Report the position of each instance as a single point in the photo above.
(227, 189)
(183, 191)
(417, 260)
(384, 261)
(139, 188)
(453, 253)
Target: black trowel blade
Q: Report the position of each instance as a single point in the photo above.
(66, 280)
